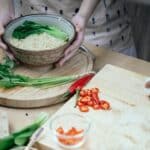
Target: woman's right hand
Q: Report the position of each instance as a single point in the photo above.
(6, 14)
(147, 86)
(2, 45)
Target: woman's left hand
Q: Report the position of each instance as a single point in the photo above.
(79, 23)
(147, 86)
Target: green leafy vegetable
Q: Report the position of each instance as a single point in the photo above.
(7, 142)
(9, 79)
(30, 27)
(22, 137)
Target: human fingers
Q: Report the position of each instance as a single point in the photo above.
(66, 58)
(1, 29)
(2, 45)
(147, 87)
(70, 51)
(147, 84)
(76, 44)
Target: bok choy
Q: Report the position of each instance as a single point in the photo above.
(30, 27)
(21, 138)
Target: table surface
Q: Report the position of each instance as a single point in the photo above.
(21, 117)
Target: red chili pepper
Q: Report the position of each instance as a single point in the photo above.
(96, 98)
(96, 106)
(104, 105)
(84, 108)
(90, 98)
(79, 84)
(90, 103)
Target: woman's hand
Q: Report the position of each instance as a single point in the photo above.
(79, 20)
(147, 84)
(2, 45)
(79, 23)
(4, 18)
(147, 87)
(6, 14)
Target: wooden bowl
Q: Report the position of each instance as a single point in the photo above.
(40, 57)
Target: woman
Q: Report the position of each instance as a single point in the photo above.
(107, 25)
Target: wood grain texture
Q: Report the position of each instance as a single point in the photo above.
(125, 126)
(107, 56)
(103, 57)
(30, 97)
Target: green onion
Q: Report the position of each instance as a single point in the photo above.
(8, 79)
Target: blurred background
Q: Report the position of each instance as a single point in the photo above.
(139, 12)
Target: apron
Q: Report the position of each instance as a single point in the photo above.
(108, 27)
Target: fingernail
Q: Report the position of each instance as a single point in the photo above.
(2, 46)
(61, 63)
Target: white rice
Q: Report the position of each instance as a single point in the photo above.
(37, 42)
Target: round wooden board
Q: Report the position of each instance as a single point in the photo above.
(30, 97)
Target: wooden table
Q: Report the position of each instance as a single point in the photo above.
(21, 117)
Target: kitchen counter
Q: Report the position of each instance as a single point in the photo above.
(21, 117)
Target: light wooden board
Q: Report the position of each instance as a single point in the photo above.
(126, 126)
(30, 97)
(4, 126)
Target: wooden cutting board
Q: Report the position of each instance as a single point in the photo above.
(29, 97)
(4, 125)
(126, 126)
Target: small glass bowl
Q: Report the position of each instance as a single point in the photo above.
(67, 121)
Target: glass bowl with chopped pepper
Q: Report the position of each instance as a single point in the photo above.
(70, 130)
(39, 39)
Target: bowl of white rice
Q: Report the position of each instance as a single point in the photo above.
(39, 39)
